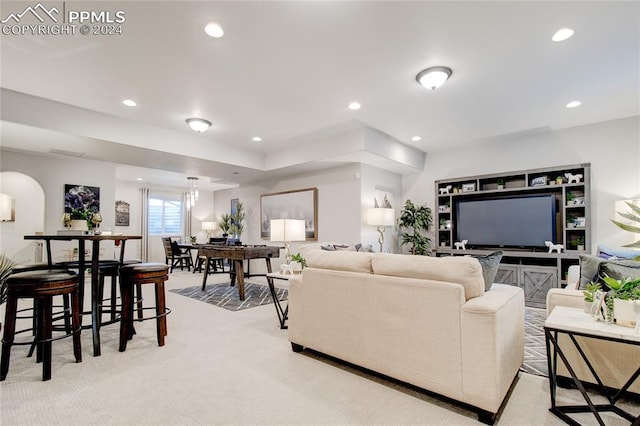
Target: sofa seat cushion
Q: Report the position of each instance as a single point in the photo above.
(455, 269)
(352, 261)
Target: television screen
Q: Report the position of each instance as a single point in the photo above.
(507, 222)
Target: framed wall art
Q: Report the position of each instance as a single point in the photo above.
(122, 213)
(81, 201)
(297, 204)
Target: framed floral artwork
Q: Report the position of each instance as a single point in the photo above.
(81, 201)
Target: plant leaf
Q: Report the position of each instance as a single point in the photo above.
(626, 227)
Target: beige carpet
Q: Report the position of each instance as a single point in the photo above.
(230, 368)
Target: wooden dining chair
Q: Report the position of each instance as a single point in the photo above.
(174, 256)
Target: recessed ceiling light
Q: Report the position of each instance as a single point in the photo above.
(562, 34)
(574, 104)
(416, 138)
(433, 77)
(354, 106)
(139, 179)
(256, 139)
(214, 30)
(198, 124)
(129, 102)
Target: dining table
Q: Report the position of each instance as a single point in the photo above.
(94, 264)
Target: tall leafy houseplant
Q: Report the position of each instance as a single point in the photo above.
(634, 216)
(237, 221)
(414, 222)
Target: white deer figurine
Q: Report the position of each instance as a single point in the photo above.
(557, 247)
(461, 245)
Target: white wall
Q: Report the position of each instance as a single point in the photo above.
(339, 206)
(612, 148)
(373, 178)
(52, 174)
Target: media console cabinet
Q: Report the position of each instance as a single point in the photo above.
(535, 270)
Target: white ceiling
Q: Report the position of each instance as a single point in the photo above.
(286, 71)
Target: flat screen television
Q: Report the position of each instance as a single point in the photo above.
(518, 222)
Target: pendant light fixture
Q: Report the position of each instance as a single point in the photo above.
(192, 191)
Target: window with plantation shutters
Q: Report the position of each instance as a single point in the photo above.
(165, 216)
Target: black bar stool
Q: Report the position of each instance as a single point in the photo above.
(132, 276)
(41, 286)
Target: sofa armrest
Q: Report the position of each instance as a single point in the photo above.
(564, 297)
(492, 344)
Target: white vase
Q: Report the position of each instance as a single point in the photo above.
(79, 225)
(587, 306)
(624, 312)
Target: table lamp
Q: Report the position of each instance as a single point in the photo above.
(208, 227)
(381, 217)
(288, 230)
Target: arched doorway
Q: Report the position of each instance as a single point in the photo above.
(29, 217)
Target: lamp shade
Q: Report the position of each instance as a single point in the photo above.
(381, 216)
(288, 230)
(208, 226)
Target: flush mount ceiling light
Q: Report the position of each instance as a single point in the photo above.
(574, 104)
(354, 106)
(256, 139)
(214, 30)
(129, 102)
(433, 77)
(416, 139)
(562, 34)
(198, 124)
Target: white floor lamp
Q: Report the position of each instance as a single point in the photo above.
(381, 217)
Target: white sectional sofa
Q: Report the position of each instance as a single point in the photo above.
(422, 320)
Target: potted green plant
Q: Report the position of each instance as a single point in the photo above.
(224, 223)
(571, 220)
(413, 222)
(580, 243)
(570, 197)
(588, 293)
(500, 183)
(298, 262)
(559, 180)
(237, 221)
(626, 300)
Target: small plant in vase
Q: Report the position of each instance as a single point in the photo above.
(559, 180)
(623, 300)
(580, 243)
(500, 183)
(298, 262)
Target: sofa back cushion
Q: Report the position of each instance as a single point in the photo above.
(352, 261)
(456, 269)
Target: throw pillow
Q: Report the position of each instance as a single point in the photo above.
(589, 268)
(328, 247)
(490, 264)
(352, 247)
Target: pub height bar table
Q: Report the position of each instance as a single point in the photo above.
(82, 266)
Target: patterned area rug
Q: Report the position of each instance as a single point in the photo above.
(225, 296)
(535, 352)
